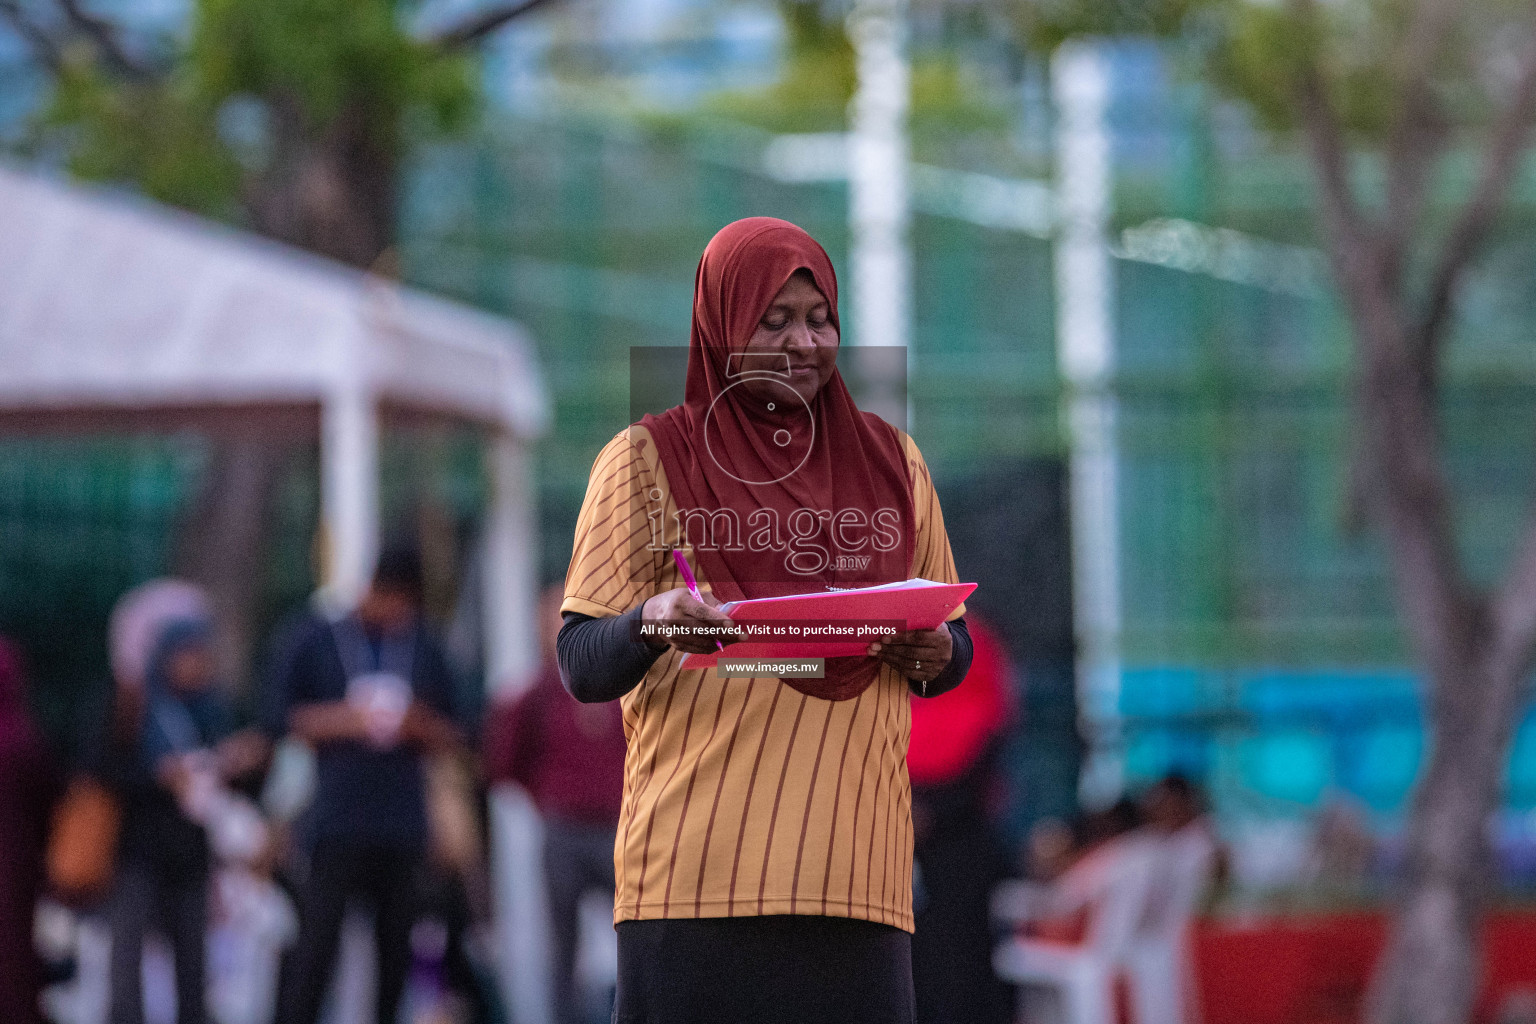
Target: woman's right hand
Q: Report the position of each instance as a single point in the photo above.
(703, 623)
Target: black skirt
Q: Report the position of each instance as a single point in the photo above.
(763, 970)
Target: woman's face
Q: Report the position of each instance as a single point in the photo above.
(190, 670)
(798, 325)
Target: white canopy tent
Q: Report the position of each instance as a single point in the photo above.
(117, 313)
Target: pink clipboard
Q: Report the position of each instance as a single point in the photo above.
(918, 603)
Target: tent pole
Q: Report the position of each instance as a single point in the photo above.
(349, 493)
(512, 643)
(512, 657)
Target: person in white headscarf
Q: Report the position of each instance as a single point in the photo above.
(141, 615)
(138, 619)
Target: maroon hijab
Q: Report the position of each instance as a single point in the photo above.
(722, 449)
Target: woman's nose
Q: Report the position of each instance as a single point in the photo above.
(801, 338)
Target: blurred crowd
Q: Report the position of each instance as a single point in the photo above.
(193, 871)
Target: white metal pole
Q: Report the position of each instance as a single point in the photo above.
(1085, 346)
(878, 155)
(522, 922)
(512, 657)
(349, 491)
(512, 543)
(878, 199)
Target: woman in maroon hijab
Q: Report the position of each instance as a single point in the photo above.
(764, 852)
(26, 794)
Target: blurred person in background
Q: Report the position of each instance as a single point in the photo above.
(957, 856)
(1175, 809)
(1077, 930)
(1343, 851)
(1070, 869)
(372, 694)
(1189, 858)
(569, 757)
(1096, 829)
(138, 619)
(27, 790)
(1049, 849)
(169, 778)
(456, 895)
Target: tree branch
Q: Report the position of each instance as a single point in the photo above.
(1512, 611)
(1408, 493)
(1353, 245)
(1417, 131)
(44, 46)
(1395, 470)
(481, 24)
(1350, 250)
(105, 35)
(1477, 216)
(1432, 19)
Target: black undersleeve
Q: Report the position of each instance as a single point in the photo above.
(603, 659)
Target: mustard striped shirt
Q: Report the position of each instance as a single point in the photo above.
(745, 797)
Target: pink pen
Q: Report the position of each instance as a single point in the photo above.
(693, 584)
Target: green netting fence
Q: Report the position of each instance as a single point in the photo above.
(1259, 640)
(1260, 645)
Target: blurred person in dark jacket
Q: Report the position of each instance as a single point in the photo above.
(28, 786)
(957, 856)
(372, 694)
(169, 777)
(569, 757)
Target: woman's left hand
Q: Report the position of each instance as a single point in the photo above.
(919, 654)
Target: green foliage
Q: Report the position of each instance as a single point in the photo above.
(1260, 59)
(328, 59)
(161, 136)
(1266, 50)
(812, 25)
(300, 67)
(1257, 50)
(819, 78)
(942, 100)
(1046, 24)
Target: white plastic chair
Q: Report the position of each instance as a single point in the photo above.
(256, 922)
(1114, 884)
(1158, 961)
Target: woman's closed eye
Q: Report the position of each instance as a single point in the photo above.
(816, 321)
